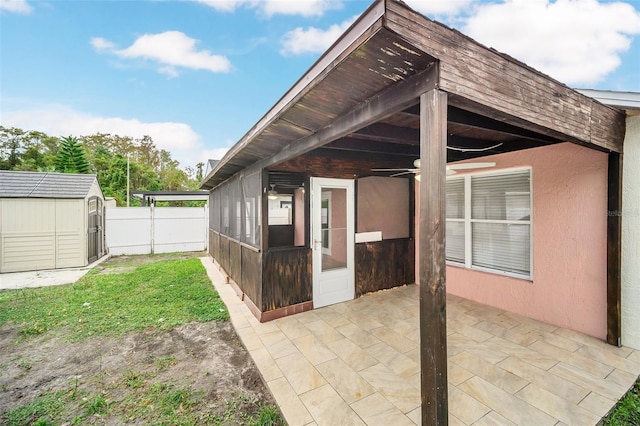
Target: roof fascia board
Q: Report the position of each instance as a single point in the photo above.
(369, 23)
(600, 126)
(395, 98)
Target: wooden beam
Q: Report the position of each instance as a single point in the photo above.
(614, 249)
(348, 165)
(389, 133)
(433, 304)
(477, 121)
(395, 98)
(359, 145)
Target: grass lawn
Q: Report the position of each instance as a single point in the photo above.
(148, 300)
(160, 294)
(627, 410)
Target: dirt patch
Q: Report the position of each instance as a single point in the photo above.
(205, 356)
(208, 358)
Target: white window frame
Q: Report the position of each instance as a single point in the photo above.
(468, 221)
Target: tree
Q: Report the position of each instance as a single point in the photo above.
(151, 168)
(27, 151)
(11, 148)
(71, 157)
(199, 166)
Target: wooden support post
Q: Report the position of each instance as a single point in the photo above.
(433, 304)
(614, 249)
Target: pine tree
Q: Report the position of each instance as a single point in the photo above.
(71, 157)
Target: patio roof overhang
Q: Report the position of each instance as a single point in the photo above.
(363, 95)
(397, 86)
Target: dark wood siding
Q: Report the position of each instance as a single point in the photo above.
(214, 243)
(337, 164)
(223, 255)
(251, 274)
(235, 262)
(286, 278)
(384, 264)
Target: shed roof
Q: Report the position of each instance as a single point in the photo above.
(14, 184)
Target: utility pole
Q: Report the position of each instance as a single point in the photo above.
(128, 179)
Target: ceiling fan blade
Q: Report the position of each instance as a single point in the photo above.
(390, 170)
(466, 166)
(408, 172)
(459, 149)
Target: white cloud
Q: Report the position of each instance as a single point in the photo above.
(100, 43)
(16, 6)
(440, 7)
(575, 41)
(312, 39)
(224, 5)
(298, 7)
(171, 49)
(184, 144)
(213, 154)
(277, 7)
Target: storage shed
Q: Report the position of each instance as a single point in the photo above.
(49, 220)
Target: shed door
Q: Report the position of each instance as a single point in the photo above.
(333, 241)
(95, 238)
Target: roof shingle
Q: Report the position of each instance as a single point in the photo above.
(14, 184)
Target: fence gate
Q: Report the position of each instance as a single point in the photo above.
(95, 240)
(143, 230)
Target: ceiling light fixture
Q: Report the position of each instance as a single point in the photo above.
(272, 194)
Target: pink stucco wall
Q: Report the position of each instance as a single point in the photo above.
(382, 206)
(298, 220)
(569, 243)
(338, 220)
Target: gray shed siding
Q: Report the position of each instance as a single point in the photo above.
(44, 220)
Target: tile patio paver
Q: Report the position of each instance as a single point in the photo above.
(358, 363)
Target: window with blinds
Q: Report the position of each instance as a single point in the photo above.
(489, 221)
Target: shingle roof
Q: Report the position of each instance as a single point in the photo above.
(44, 185)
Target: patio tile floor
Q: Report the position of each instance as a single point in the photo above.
(357, 363)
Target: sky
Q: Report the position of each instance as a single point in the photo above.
(196, 75)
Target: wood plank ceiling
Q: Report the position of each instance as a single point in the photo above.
(397, 138)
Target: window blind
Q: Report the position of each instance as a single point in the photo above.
(500, 216)
(490, 226)
(455, 241)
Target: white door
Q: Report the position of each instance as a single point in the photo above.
(332, 229)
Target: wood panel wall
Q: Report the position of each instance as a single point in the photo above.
(384, 264)
(286, 278)
(242, 264)
(214, 243)
(223, 253)
(252, 274)
(235, 262)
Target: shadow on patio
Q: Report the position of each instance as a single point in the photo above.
(357, 363)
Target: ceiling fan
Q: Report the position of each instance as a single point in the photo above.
(451, 168)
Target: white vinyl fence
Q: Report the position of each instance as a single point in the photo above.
(144, 230)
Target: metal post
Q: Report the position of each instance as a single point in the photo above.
(127, 179)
